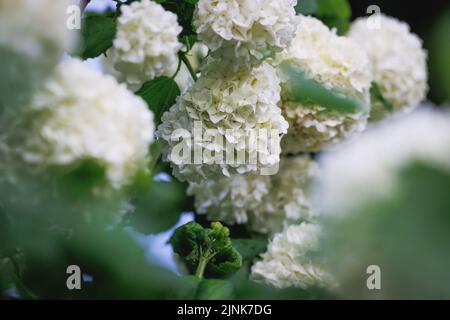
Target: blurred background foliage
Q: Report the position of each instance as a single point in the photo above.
(406, 235)
(37, 244)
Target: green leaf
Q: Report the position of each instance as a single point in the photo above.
(334, 13)
(97, 33)
(118, 265)
(205, 289)
(214, 289)
(298, 87)
(160, 94)
(158, 205)
(306, 7)
(334, 8)
(250, 248)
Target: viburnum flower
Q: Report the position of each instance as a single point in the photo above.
(33, 37)
(81, 114)
(365, 170)
(337, 63)
(287, 262)
(265, 204)
(399, 62)
(245, 31)
(235, 108)
(146, 43)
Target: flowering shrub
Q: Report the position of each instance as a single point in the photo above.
(233, 133)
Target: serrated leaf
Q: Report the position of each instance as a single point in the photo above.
(97, 33)
(298, 87)
(160, 94)
(250, 248)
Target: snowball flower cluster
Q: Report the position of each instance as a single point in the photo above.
(366, 169)
(230, 199)
(33, 37)
(398, 61)
(146, 43)
(337, 63)
(245, 31)
(287, 262)
(82, 114)
(232, 107)
(264, 203)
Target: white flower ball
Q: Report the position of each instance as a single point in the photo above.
(265, 204)
(230, 109)
(33, 37)
(399, 62)
(81, 114)
(146, 43)
(287, 262)
(288, 201)
(337, 63)
(365, 170)
(230, 199)
(245, 31)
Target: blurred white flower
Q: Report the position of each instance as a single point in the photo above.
(230, 199)
(366, 169)
(33, 37)
(336, 62)
(234, 105)
(81, 114)
(265, 204)
(287, 262)
(399, 63)
(146, 43)
(245, 31)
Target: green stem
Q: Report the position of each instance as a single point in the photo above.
(188, 65)
(201, 267)
(178, 68)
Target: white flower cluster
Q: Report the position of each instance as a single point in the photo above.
(146, 43)
(233, 105)
(366, 169)
(230, 199)
(264, 203)
(81, 114)
(398, 61)
(287, 262)
(33, 37)
(245, 31)
(289, 199)
(336, 62)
